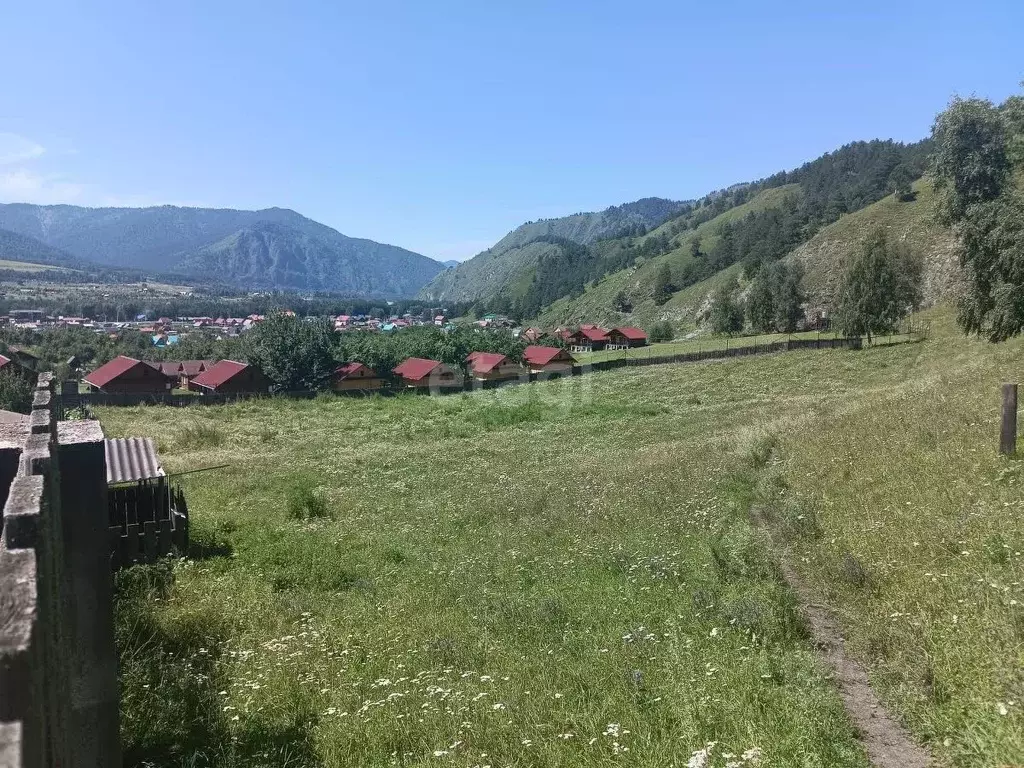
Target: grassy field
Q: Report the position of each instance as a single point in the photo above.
(715, 343)
(24, 266)
(567, 574)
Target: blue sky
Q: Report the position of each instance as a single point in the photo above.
(439, 126)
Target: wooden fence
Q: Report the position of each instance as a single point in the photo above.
(147, 520)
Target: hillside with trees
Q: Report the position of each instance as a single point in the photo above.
(647, 276)
(492, 272)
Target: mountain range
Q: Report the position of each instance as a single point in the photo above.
(273, 248)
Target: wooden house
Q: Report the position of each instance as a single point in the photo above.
(126, 374)
(231, 377)
(418, 372)
(547, 359)
(625, 338)
(493, 366)
(355, 376)
(589, 338)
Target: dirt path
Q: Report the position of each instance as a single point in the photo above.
(886, 741)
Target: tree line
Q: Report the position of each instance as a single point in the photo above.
(880, 286)
(978, 166)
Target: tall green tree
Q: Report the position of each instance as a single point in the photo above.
(970, 163)
(789, 296)
(976, 144)
(726, 312)
(662, 331)
(294, 354)
(881, 285)
(663, 288)
(761, 302)
(901, 181)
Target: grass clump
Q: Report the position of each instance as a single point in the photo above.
(199, 433)
(307, 501)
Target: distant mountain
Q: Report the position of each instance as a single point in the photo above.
(15, 247)
(495, 270)
(451, 263)
(271, 248)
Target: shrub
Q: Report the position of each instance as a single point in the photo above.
(306, 501)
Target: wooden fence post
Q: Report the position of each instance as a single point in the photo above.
(1008, 426)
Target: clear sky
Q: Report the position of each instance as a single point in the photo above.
(439, 125)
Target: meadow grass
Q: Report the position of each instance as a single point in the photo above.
(566, 573)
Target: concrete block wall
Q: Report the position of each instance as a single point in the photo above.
(58, 665)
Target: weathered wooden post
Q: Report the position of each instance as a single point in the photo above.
(1008, 426)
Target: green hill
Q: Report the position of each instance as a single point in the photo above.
(596, 303)
(824, 255)
(498, 268)
(27, 254)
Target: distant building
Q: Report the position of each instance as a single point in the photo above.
(231, 377)
(624, 338)
(355, 376)
(126, 374)
(418, 372)
(493, 366)
(547, 359)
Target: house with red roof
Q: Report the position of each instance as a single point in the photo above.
(589, 338)
(355, 376)
(180, 373)
(126, 374)
(547, 359)
(624, 338)
(231, 377)
(493, 366)
(418, 372)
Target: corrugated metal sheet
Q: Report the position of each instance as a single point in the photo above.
(130, 459)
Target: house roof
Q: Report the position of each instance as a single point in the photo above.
(218, 373)
(348, 369)
(630, 332)
(485, 362)
(168, 368)
(4, 360)
(119, 366)
(594, 333)
(194, 367)
(416, 368)
(541, 355)
(130, 459)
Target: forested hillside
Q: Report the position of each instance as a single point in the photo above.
(643, 277)
(498, 270)
(271, 248)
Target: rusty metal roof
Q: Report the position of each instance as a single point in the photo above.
(130, 459)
